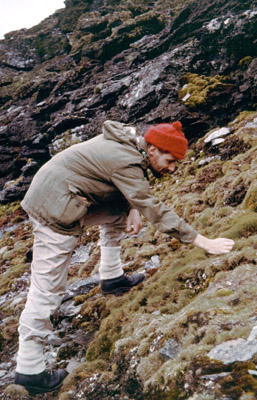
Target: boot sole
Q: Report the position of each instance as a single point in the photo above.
(117, 291)
(120, 290)
(37, 390)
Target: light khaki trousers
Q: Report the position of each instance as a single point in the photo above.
(51, 257)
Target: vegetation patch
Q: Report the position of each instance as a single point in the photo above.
(243, 224)
(198, 90)
(239, 381)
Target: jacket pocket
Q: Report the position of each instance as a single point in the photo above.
(75, 206)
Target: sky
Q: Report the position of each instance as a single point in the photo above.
(19, 14)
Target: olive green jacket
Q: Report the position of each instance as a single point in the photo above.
(105, 169)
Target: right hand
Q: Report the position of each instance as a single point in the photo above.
(134, 222)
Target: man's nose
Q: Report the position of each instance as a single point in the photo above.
(172, 167)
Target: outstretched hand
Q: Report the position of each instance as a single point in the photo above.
(214, 246)
(134, 223)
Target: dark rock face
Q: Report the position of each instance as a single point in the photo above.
(125, 61)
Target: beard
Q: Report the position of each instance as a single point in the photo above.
(155, 173)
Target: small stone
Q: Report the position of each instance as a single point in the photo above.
(252, 372)
(214, 377)
(186, 97)
(217, 141)
(154, 262)
(170, 349)
(206, 160)
(216, 134)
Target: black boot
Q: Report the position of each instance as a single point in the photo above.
(121, 284)
(41, 383)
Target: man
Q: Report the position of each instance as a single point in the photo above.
(99, 182)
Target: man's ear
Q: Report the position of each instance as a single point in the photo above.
(151, 150)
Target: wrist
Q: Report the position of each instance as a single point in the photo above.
(201, 242)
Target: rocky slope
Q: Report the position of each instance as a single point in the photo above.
(189, 331)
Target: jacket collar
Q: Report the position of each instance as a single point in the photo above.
(142, 148)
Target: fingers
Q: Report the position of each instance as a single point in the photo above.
(221, 246)
(134, 223)
(227, 244)
(132, 229)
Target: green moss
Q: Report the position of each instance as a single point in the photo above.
(204, 219)
(16, 392)
(46, 46)
(197, 88)
(244, 62)
(101, 347)
(243, 224)
(190, 154)
(10, 211)
(243, 117)
(239, 381)
(107, 335)
(173, 394)
(92, 312)
(228, 166)
(66, 396)
(79, 374)
(11, 275)
(10, 329)
(250, 201)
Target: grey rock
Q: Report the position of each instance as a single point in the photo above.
(154, 262)
(234, 350)
(68, 309)
(81, 254)
(252, 124)
(81, 287)
(2, 373)
(170, 349)
(207, 160)
(214, 377)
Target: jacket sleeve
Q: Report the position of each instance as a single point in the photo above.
(135, 188)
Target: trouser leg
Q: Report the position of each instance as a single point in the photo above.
(111, 228)
(51, 257)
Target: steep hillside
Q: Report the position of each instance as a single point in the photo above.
(189, 332)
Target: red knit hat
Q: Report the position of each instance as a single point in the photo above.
(168, 137)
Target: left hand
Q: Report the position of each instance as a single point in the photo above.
(134, 223)
(214, 246)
